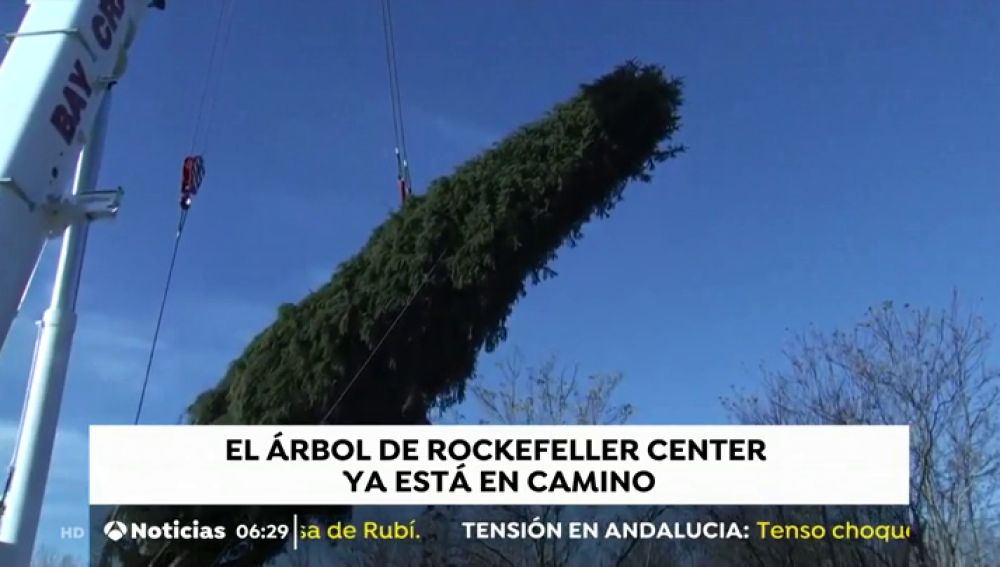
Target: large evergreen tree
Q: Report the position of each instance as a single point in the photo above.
(397, 329)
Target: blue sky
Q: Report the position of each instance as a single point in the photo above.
(838, 155)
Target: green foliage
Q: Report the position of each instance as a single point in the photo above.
(459, 256)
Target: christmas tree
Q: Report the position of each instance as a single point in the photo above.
(397, 329)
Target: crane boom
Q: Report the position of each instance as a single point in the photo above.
(56, 73)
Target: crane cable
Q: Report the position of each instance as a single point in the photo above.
(227, 8)
(403, 175)
(406, 189)
(206, 89)
(402, 158)
(385, 335)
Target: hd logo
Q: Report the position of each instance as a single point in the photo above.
(116, 531)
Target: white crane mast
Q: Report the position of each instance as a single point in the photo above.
(52, 81)
(54, 91)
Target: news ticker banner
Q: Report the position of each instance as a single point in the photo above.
(491, 465)
(590, 529)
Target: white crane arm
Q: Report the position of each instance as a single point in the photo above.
(56, 72)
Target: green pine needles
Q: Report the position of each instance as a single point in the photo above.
(443, 274)
(459, 256)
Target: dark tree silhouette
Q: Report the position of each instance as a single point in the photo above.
(397, 330)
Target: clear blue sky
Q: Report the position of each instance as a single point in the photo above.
(838, 155)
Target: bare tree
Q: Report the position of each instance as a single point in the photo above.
(927, 369)
(549, 395)
(519, 394)
(544, 395)
(47, 557)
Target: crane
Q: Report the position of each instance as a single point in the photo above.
(55, 83)
(57, 71)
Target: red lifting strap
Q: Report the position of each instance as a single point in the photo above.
(192, 174)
